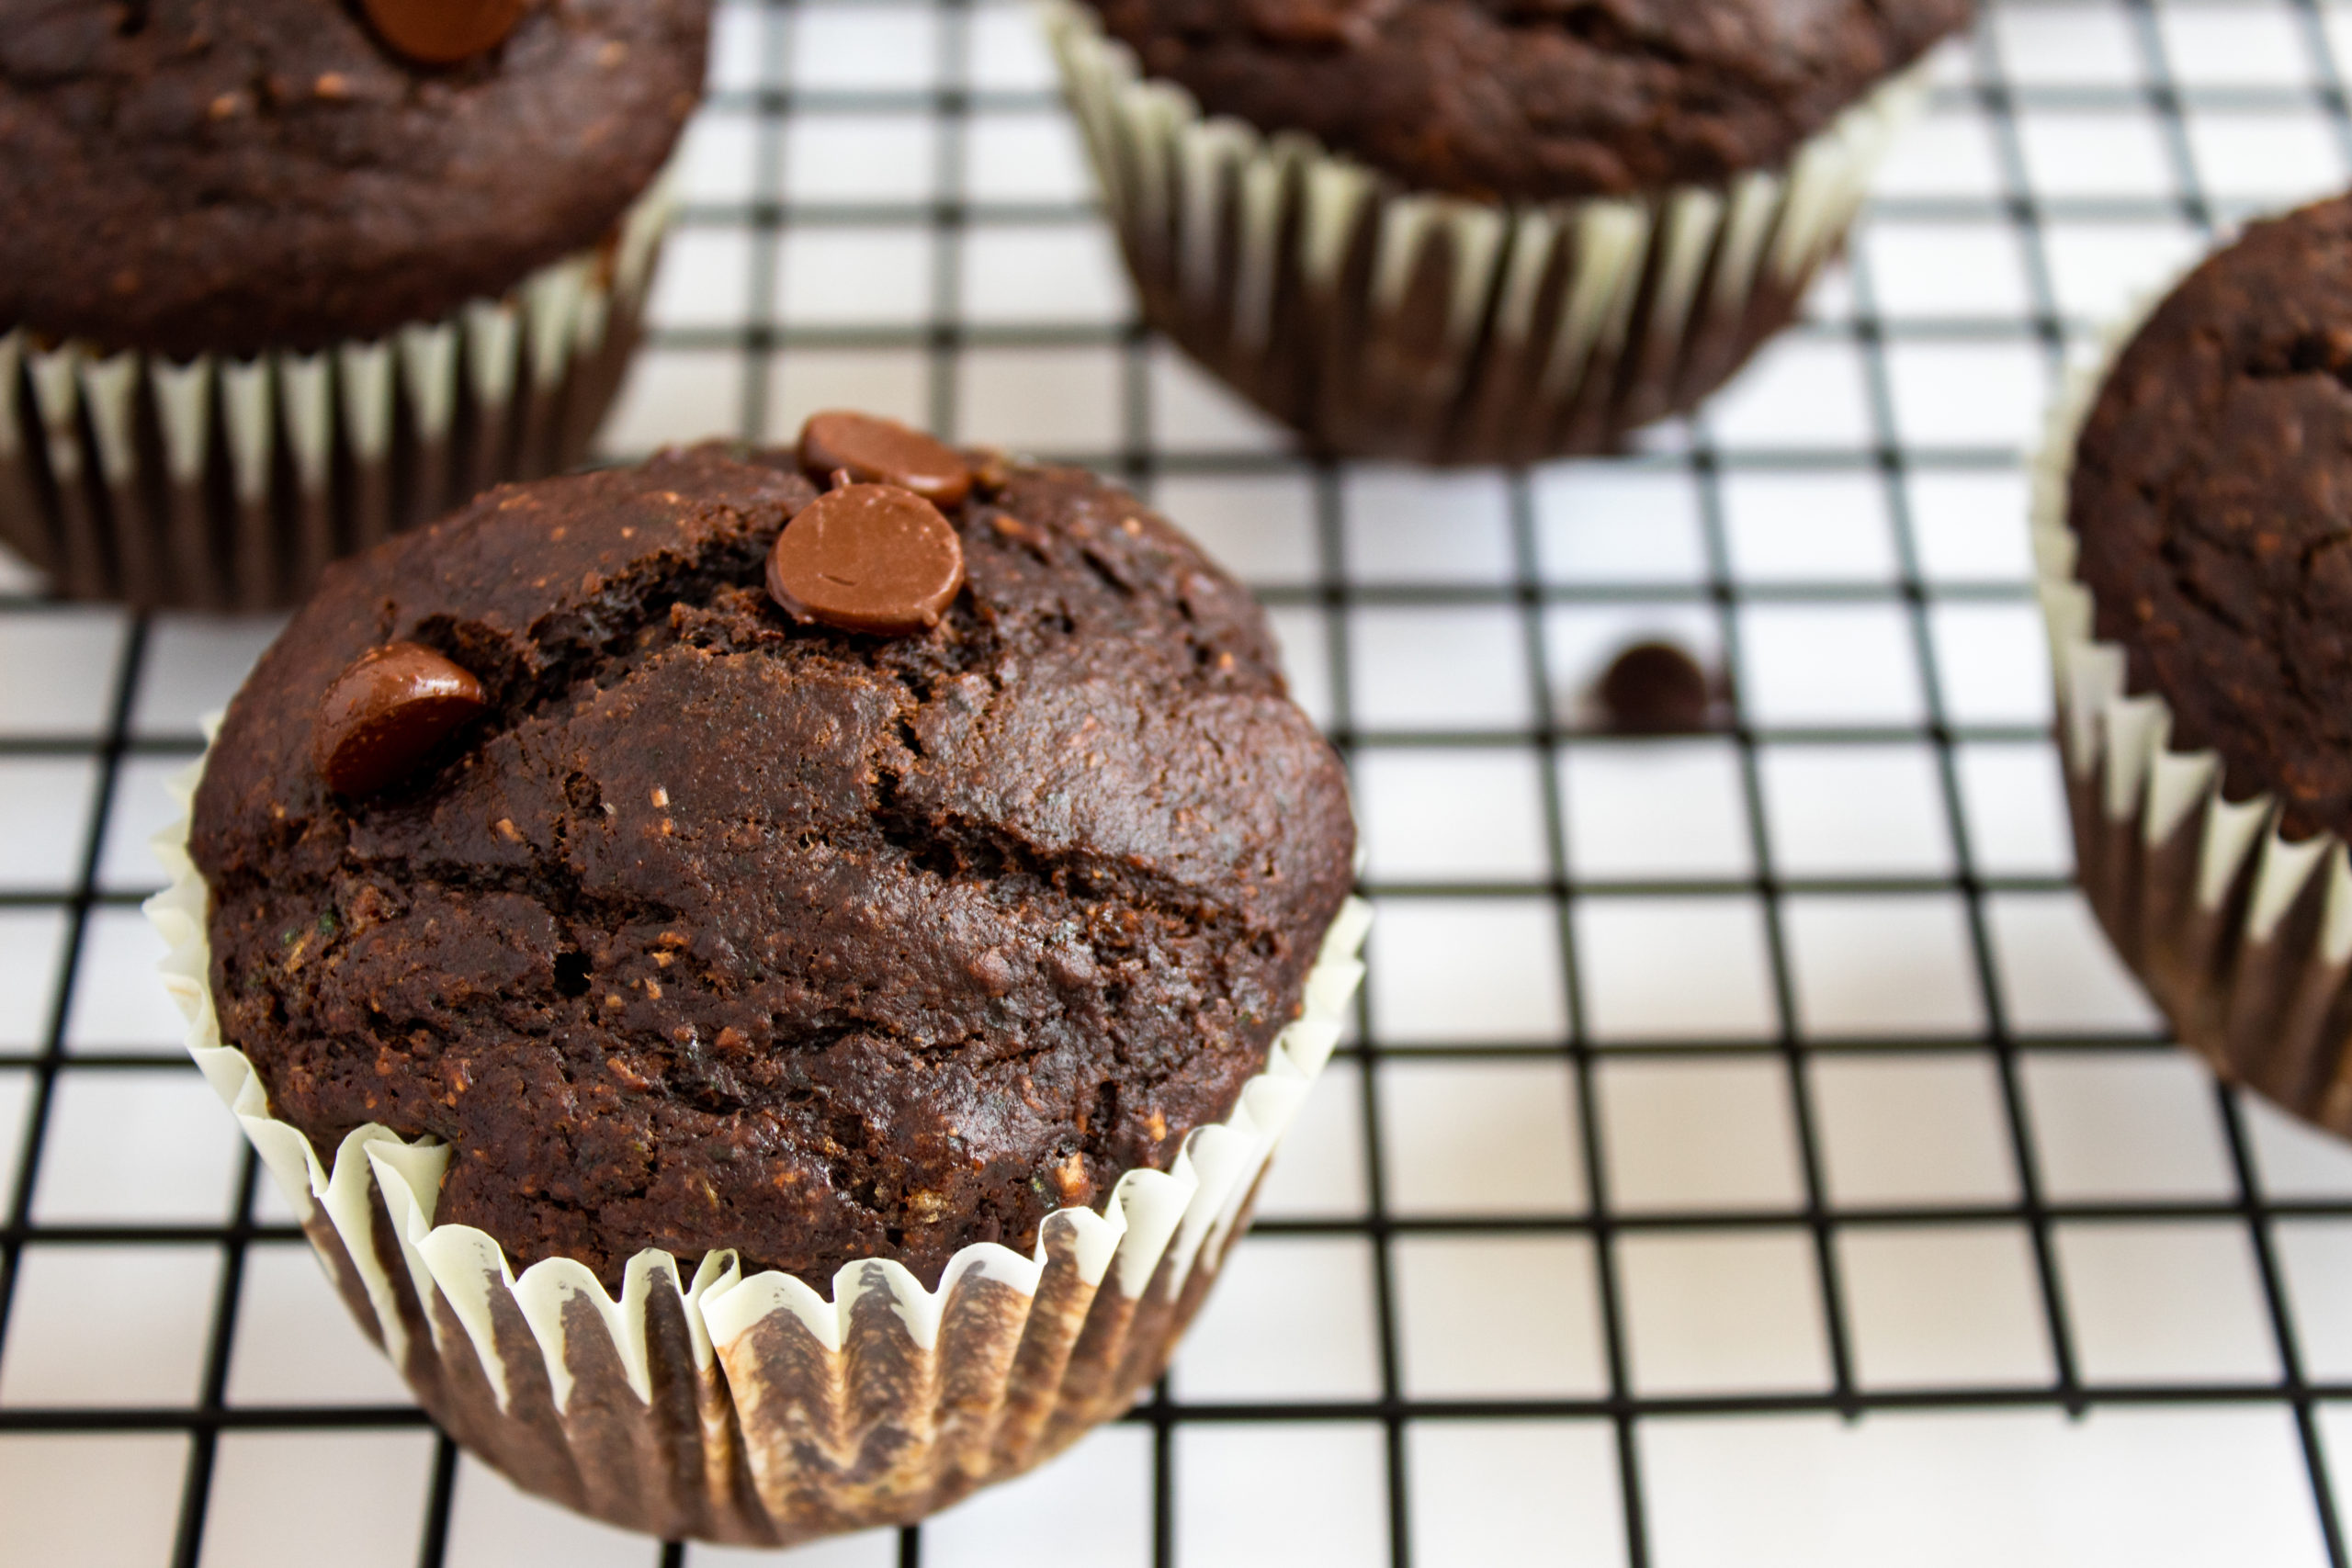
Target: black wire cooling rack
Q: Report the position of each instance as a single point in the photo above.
(1846, 1203)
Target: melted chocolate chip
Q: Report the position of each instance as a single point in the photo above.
(882, 451)
(443, 32)
(867, 558)
(386, 714)
(1654, 688)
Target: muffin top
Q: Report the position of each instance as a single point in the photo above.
(718, 929)
(188, 176)
(1535, 100)
(2211, 493)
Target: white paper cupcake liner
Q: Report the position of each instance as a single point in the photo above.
(2243, 936)
(753, 1410)
(1389, 322)
(223, 483)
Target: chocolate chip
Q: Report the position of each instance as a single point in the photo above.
(882, 451)
(1316, 21)
(867, 558)
(1654, 688)
(443, 32)
(385, 715)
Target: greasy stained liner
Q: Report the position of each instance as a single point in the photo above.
(2243, 936)
(1380, 321)
(753, 1410)
(218, 483)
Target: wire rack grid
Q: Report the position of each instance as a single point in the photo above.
(1850, 1204)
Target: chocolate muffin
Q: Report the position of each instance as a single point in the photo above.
(1576, 101)
(2201, 598)
(309, 270)
(702, 922)
(1463, 231)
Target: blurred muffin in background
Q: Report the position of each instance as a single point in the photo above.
(2189, 534)
(283, 277)
(1466, 230)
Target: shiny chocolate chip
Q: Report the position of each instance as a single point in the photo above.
(882, 451)
(386, 715)
(443, 32)
(1314, 21)
(1654, 688)
(867, 558)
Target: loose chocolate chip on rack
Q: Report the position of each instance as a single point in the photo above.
(867, 558)
(443, 32)
(1654, 688)
(385, 715)
(882, 451)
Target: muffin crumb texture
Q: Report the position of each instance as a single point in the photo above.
(717, 931)
(2210, 491)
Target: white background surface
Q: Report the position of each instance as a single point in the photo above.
(1775, 1081)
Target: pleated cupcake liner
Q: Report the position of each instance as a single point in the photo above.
(2242, 935)
(1381, 321)
(752, 1409)
(220, 483)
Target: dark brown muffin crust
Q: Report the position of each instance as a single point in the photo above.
(2211, 492)
(187, 176)
(1536, 100)
(719, 932)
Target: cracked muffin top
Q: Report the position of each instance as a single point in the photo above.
(714, 928)
(2212, 494)
(1536, 100)
(191, 177)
